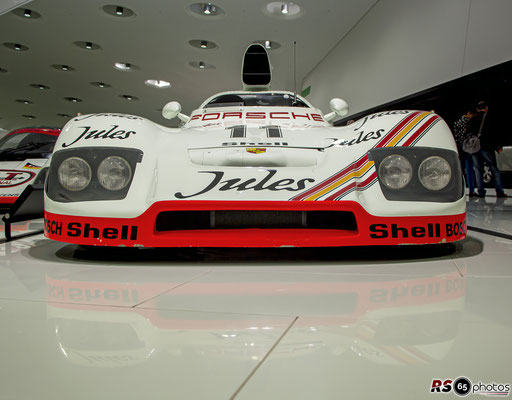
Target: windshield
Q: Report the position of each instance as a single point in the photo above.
(256, 100)
(26, 145)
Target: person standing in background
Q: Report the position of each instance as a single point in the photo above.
(460, 127)
(482, 123)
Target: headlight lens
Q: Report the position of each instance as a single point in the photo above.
(395, 171)
(74, 174)
(434, 173)
(114, 173)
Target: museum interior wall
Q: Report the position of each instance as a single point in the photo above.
(401, 47)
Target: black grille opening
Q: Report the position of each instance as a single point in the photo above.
(263, 219)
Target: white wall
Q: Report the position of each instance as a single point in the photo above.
(404, 46)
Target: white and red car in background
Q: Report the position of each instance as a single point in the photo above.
(24, 153)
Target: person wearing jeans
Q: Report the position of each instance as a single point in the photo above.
(481, 124)
(478, 159)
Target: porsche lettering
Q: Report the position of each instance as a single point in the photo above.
(257, 115)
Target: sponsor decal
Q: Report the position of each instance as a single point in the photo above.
(250, 184)
(255, 150)
(463, 386)
(364, 120)
(112, 133)
(267, 144)
(360, 138)
(132, 117)
(9, 178)
(31, 166)
(257, 115)
(86, 230)
(383, 231)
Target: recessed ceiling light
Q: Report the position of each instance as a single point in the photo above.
(16, 46)
(28, 116)
(118, 11)
(208, 8)
(24, 101)
(73, 99)
(123, 66)
(158, 83)
(200, 65)
(26, 13)
(203, 44)
(62, 67)
(129, 97)
(86, 45)
(100, 84)
(269, 44)
(64, 115)
(39, 86)
(281, 9)
(205, 10)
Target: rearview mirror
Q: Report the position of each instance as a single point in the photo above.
(172, 110)
(339, 108)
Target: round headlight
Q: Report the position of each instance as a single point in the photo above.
(395, 171)
(114, 173)
(434, 173)
(74, 174)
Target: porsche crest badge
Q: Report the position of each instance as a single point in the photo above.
(255, 150)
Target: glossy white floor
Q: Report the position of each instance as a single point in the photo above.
(258, 324)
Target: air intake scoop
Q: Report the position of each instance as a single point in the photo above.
(256, 74)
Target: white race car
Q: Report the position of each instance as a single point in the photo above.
(255, 168)
(24, 153)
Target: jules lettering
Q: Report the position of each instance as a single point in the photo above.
(360, 138)
(112, 133)
(250, 184)
(364, 120)
(132, 117)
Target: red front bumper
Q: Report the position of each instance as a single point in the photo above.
(141, 231)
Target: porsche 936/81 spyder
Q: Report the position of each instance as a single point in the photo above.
(256, 168)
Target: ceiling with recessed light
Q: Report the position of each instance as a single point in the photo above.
(63, 57)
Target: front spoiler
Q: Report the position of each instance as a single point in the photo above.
(141, 232)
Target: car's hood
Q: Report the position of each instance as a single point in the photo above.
(24, 165)
(305, 138)
(254, 146)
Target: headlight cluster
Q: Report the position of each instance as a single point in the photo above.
(418, 173)
(86, 174)
(75, 174)
(434, 173)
